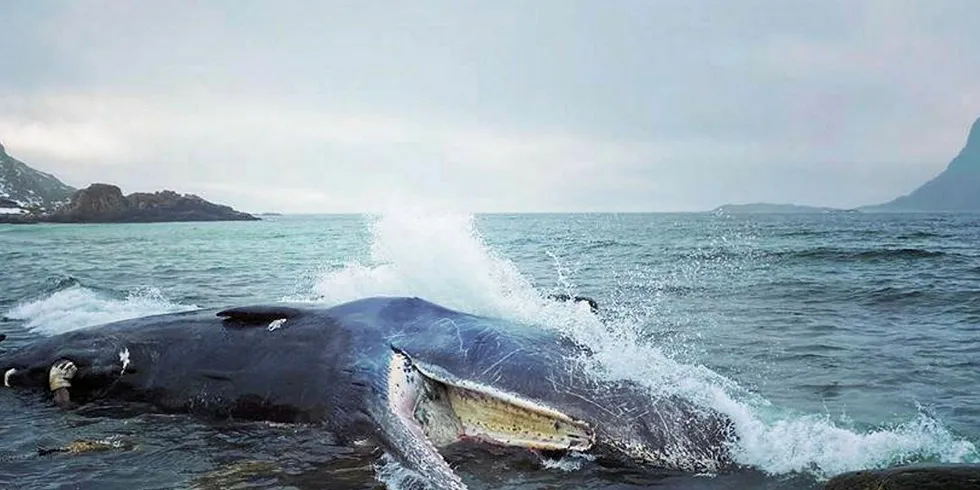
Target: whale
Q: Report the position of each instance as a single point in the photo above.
(402, 374)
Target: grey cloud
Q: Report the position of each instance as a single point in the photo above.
(673, 105)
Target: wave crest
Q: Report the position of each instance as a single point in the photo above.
(70, 306)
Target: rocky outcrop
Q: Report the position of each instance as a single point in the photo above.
(956, 189)
(920, 477)
(105, 203)
(28, 187)
(97, 202)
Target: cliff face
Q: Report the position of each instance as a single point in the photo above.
(105, 203)
(30, 188)
(956, 189)
(97, 202)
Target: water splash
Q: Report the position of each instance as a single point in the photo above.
(443, 258)
(436, 255)
(396, 476)
(77, 306)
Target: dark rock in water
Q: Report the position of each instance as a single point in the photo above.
(170, 206)
(105, 203)
(237, 475)
(97, 202)
(919, 477)
(593, 304)
(956, 189)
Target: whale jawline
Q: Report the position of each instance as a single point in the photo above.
(448, 410)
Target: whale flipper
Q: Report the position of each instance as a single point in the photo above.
(410, 446)
(424, 406)
(59, 380)
(402, 435)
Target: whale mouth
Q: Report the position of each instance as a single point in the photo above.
(448, 410)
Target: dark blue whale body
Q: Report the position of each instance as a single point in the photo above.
(407, 374)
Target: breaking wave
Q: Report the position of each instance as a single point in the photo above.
(68, 305)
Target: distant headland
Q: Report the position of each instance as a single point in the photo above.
(28, 195)
(956, 189)
(767, 208)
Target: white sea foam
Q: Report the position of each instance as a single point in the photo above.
(78, 306)
(416, 252)
(442, 258)
(395, 476)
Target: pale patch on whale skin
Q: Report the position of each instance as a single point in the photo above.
(124, 359)
(6, 377)
(276, 324)
(61, 374)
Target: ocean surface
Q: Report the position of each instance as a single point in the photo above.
(835, 342)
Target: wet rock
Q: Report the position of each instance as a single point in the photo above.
(237, 475)
(593, 304)
(918, 477)
(82, 446)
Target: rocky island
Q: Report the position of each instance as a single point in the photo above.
(28, 195)
(105, 203)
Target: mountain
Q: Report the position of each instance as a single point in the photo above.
(956, 189)
(767, 208)
(30, 188)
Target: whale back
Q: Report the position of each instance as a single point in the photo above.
(275, 363)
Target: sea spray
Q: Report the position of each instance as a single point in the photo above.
(78, 306)
(432, 255)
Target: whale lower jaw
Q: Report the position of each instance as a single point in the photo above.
(449, 410)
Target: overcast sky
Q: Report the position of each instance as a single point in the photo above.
(496, 105)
